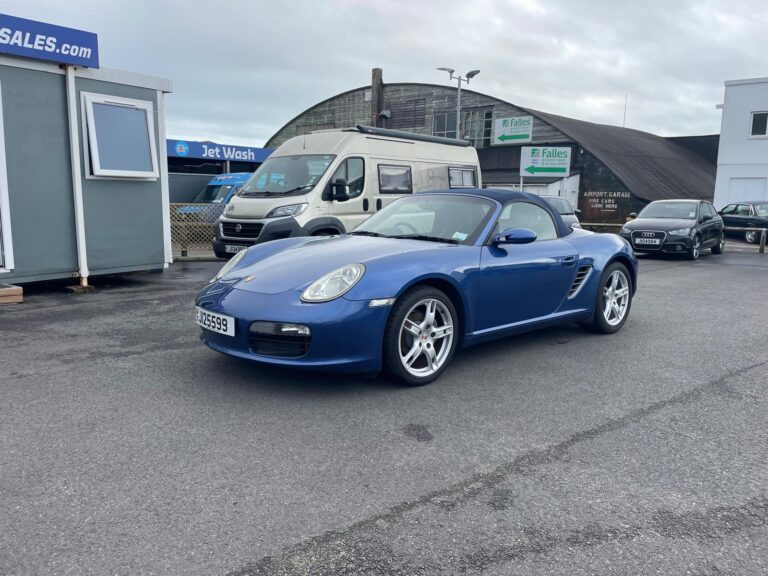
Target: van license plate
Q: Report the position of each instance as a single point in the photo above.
(234, 248)
(216, 322)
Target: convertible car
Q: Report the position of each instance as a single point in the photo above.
(426, 275)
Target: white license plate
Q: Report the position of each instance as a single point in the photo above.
(651, 241)
(234, 248)
(216, 322)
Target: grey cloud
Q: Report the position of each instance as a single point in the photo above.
(243, 69)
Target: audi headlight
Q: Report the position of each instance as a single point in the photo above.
(229, 266)
(289, 210)
(680, 232)
(624, 230)
(334, 284)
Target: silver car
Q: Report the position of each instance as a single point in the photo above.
(569, 214)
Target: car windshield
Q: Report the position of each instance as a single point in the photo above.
(287, 175)
(560, 204)
(213, 194)
(679, 210)
(761, 209)
(431, 217)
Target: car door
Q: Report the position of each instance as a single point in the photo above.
(520, 282)
(728, 214)
(708, 226)
(357, 208)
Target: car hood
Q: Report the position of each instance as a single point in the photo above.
(661, 224)
(298, 265)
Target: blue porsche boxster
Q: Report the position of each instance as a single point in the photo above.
(427, 274)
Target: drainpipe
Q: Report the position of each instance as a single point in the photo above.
(77, 183)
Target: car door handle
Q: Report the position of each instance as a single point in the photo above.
(568, 260)
(365, 204)
(378, 203)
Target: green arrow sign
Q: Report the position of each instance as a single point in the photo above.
(543, 170)
(505, 137)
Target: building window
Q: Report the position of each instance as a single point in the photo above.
(759, 123)
(461, 178)
(444, 124)
(408, 114)
(476, 126)
(395, 180)
(120, 137)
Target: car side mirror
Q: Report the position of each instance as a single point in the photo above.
(706, 217)
(577, 211)
(632, 215)
(720, 212)
(515, 236)
(340, 190)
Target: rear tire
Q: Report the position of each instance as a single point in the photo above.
(719, 248)
(614, 300)
(751, 237)
(420, 336)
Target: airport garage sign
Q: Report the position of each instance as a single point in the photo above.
(516, 130)
(545, 162)
(32, 39)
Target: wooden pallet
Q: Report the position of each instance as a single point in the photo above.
(10, 294)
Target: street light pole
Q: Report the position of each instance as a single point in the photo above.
(468, 76)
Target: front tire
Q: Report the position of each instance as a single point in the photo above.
(420, 336)
(614, 300)
(719, 248)
(695, 251)
(750, 237)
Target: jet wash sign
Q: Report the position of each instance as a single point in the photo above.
(214, 151)
(31, 39)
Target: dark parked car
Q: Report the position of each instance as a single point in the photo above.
(569, 215)
(676, 227)
(752, 214)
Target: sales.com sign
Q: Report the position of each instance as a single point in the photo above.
(31, 39)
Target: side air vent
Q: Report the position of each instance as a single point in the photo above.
(581, 275)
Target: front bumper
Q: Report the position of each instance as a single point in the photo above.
(268, 229)
(346, 335)
(669, 245)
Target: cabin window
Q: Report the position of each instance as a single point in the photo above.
(119, 137)
(395, 180)
(461, 178)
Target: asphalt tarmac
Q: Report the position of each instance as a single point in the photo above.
(126, 447)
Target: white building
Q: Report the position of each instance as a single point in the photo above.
(742, 162)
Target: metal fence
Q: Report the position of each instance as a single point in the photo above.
(192, 228)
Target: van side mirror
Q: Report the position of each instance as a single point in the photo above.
(340, 190)
(515, 236)
(577, 211)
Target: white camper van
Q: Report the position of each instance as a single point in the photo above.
(330, 181)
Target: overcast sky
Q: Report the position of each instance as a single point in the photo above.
(242, 69)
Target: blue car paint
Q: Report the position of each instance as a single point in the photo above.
(347, 333)
(234, 179)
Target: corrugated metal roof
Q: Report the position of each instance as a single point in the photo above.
(650, 166)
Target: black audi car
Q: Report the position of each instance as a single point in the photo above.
(750, 214)
(676, 227)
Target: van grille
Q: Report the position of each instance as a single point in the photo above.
(250, 230)
(581, 275)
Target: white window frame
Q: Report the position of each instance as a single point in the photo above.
(462, 170)
(6, 238)
(93, 169)
(752, 120)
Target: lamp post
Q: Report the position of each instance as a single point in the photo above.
(467, 77)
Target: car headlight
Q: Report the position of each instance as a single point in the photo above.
(229, 266)
(289, 210)
(680, 232)
(334, 284)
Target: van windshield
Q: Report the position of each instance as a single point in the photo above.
(287, 175)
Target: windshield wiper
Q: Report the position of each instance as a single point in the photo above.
(427, 238)
(276, 192)
(367, 233)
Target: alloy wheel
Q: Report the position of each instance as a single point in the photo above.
(615, 297)
(425, 338)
